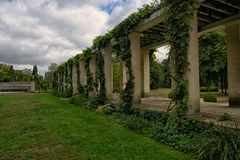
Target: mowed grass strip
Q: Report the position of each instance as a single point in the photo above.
(41, 126)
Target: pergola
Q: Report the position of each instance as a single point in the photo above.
(211, 14)
(149, 34)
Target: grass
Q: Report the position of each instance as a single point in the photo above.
(40, 126)
(163, 92)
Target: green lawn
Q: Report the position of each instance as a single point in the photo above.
(163, 92)
(40, 126)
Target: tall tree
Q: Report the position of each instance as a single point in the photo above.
(159, 73)
(213, 60)
(156, 72)
(35, 73)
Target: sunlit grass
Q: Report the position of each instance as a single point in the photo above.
(40, 126)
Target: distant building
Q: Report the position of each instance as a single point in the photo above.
(52, 67)
(49, 74)
(27, 71)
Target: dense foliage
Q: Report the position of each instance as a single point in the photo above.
(9, 74)
(213, 60)
(101, 78)
(40, 83)
(159, 73)
(178, 22)
(156, 72)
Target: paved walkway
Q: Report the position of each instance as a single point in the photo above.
(210, 112)
(207, 109)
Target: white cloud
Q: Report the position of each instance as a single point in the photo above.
(162, 53)
(123, 11)
(44, 31)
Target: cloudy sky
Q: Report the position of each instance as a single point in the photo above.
(44, 31)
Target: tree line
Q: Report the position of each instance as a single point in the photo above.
(9, 74)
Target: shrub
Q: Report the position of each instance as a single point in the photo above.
(214, 89)
(225, 117)
(91, 103)
(210, 97)
(65, 94)
(81, 90)
(60, 94)
(68, 93)
(135, 111)
(140, 125)
(155, 116)
(78, 100)
(105, 109)
(223, 145)
(86, 102)
(203, 89)
(71, 100)
(188, 126)
(172, 94)
(54, 92)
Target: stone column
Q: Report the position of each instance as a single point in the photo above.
(108, 70)
(74, 79)
(64, 82)
(58, 82)
(32, 86)
(123, 75)
(69, 76)
(92, 66)
(192, 72)
(82, 72)
(145, 73)
(136, 65)
(233, 56)
(142, 71)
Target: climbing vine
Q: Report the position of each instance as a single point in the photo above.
(65, 76)
(124, 52)
(55, 82)
(101, 96)
(178, 28)
(89, 77)
(70, 65)
(80, 88)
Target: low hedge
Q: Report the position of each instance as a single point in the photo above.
(210, 97)
(212, 89)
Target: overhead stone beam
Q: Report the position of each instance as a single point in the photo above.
(215, 25)
(154, 19)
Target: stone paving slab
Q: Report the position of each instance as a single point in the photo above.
(210, 110)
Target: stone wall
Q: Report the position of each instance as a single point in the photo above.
(17, 86)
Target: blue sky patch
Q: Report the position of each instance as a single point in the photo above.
(112, 5)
